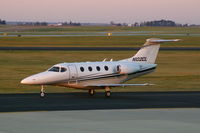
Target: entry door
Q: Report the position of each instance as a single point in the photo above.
(72, 73)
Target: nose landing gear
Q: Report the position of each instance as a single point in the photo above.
(42, 92)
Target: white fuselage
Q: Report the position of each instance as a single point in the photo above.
(84, 74)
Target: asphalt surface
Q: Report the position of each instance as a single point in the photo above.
(81, 101)
(103, 121)
(97, 48)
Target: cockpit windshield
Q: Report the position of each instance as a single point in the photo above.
(57, 69)
(54, 69)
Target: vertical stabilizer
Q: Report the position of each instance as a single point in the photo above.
(148, 53)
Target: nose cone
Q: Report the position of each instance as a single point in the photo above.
(28, 80)
(34, 79)
(42, 78)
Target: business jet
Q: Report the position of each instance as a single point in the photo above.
(100, 75)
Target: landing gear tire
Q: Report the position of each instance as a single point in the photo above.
(91, 92)
(107, 94)
(42, 94)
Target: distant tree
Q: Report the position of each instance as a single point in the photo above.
(116, 24)
(112, 23)
(185, 25)
(43, 23)
(124, 24)
(65, 24)
(136, 24)
(40, 24)
(2, 22)
(159, 23)
(37, 23)
(71, 24)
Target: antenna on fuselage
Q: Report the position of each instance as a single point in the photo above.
(111, 60)
(104, 59)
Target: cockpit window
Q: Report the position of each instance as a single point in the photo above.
(63, 69)
(54, 69)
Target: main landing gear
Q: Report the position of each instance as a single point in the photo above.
(91, 92)
(107, 92)
(42, 92)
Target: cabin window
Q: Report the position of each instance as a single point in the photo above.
(63, 69)
(82, 69)
(54, 69)
(98, 68)
(90, 68)
(106, 68)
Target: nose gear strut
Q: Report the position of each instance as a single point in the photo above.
(42, 92)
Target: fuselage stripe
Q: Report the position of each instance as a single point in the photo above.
(113, 75)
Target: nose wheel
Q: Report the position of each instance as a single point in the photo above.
(42, 92)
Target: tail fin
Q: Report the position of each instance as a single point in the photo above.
(149, 51)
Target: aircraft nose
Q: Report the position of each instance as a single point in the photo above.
(28, 80)
(37, 79)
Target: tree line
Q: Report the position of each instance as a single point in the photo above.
(71, 23)
(167, 23)
(33, 23)
(2, 22)
(155, 23)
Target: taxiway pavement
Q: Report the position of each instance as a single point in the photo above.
(82, 101)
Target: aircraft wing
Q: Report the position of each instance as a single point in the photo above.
(118, 85)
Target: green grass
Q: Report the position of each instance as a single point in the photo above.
(94, 41)
(62, 29)
(177, 70)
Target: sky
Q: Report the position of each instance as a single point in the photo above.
(101, 11)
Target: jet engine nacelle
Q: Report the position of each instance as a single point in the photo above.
(127, 69)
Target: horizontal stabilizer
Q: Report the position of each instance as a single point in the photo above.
(157, 40)
(118, 85)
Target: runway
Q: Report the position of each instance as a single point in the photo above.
(81, 101)
(98, 48)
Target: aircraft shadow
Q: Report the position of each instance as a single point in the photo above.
(81, 101)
